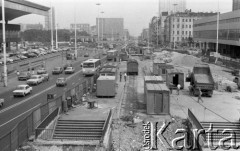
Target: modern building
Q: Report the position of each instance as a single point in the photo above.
(236, 5)
(93, 31)
(50, 17)
(126, 34)
(110, 28)
(144, 34)
(80, 27)
(179, 26)
(205, 34)
(172, 6)
(31, 26)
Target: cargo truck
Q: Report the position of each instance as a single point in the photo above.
(201, 77)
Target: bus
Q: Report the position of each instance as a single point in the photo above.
(91, 66)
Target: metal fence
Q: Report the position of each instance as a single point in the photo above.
(26, 128)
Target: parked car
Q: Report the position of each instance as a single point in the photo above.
(35, 80)
(41, 71)
(69, 70)
(1, 102)
(45, 76)
(22, 90)
(67, 65)
(24, 76)
(86, 55)
(15, 58)
(30, 55)
(61, 82)
(57, 70)
(22, 57)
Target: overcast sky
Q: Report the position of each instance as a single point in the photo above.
(136, 13)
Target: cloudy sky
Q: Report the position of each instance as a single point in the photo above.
(136, 13)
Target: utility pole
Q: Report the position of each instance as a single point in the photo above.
(51, 28)
(174, 26)
(75, 32)
(98, 4)
(102, 28)
(217, 34)
(56, 37)
(4, 46)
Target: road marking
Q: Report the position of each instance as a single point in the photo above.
(20, 115)
(19, 103)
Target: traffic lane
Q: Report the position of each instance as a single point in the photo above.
(40, 99)
(10, 100)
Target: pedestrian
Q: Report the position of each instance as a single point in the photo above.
(200, 95)
(120, 76)
(178, 88)
(190, 90)
(125, 76)
(171, 87)
(32, 70)
(18, 73)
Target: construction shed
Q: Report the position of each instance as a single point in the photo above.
(160, 67)
(175, 77)
(106, 86)
(153, 80)
(132, 67)
(108, 72)
(158, 99)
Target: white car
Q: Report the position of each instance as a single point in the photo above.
(69, 70)
(22, 90)
(35, 80)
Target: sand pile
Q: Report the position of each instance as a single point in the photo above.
(223, 83)
(189, 60)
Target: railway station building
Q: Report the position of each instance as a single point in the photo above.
(205, 35)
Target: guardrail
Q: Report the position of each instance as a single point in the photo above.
(105, 126)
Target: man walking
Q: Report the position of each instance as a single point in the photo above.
(120, 76)
(125, 76)
(178, 88)
(200, 95)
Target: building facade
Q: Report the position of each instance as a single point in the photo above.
(205, 34)
(93, 31)
(179, 27)
(110, 28)
(80, 27)
(50, 17)
(236, 5)
(144, 34)
(31, 26)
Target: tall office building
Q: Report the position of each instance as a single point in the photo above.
(110, 28)
(171, 6)
(50, 17)
(236, 5)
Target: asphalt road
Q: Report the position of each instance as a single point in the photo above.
(16, 112)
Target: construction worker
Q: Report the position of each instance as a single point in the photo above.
(200, 95)
(178, 88)
(120, 76)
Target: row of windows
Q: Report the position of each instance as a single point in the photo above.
(224, 34)
(186, 26)
(178, 38)
(184, 20)
(186, 32)
(231, 20)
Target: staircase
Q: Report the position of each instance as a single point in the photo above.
(220, 126)
(79, 129)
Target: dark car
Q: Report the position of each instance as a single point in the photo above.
(86, 55)
(61, 82)
(30, 55)
(24, 76)
(67, 65)
(57, 70)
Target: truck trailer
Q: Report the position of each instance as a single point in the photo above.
(201, 79)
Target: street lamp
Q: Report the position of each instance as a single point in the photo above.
(4, 75)
(98, 4)
(102, 24)
(174, 26)
(56, 37)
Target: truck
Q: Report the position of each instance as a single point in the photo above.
(201, 79)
